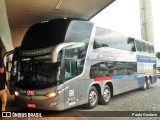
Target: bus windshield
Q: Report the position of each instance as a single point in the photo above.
(36, 72)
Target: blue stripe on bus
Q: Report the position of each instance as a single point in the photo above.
(122, 77)
(139, 77)
(147, 59)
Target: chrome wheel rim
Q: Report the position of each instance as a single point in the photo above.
(106, 95)
(92, 98)
(149, 83)
(145, 85)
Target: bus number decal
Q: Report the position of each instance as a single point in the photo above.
(71, 93)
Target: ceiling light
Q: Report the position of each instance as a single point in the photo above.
(58, 4)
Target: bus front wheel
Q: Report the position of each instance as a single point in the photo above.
(92, 98)
(105, 98)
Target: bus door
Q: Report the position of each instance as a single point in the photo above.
(71, 82)
(9, 62)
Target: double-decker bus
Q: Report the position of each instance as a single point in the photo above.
(65, 63)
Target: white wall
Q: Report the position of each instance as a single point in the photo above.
(4, 27)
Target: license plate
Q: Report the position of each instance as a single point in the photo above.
(31, 105)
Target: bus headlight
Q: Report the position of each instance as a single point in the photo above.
(53, 94)
(50, 95)
(16, 93)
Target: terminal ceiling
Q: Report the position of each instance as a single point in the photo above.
(23, 13)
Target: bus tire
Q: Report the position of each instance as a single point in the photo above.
(92, 98)
(148, 83)
(106, 97)
(145, 84)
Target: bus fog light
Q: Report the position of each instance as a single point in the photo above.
(16, 93)
(51, 95)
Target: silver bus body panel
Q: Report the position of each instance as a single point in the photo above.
(111, 54)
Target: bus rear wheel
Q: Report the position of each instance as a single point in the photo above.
(149, 83)
(106, 97)
(92, 98)
(145, 84)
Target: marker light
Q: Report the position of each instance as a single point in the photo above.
(50, 95)
(16, 93)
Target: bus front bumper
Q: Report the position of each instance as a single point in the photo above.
(48, 104)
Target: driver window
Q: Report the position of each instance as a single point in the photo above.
(74, 59)
(70, 68)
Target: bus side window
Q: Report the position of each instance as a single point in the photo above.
(116, 40)
(111, 70)
(98, 70)
(102, 38)
(149, 48)
(93, 71)
(144, 47)
(102, 70)
(130, 44)
(152, 49)
(138, 46)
